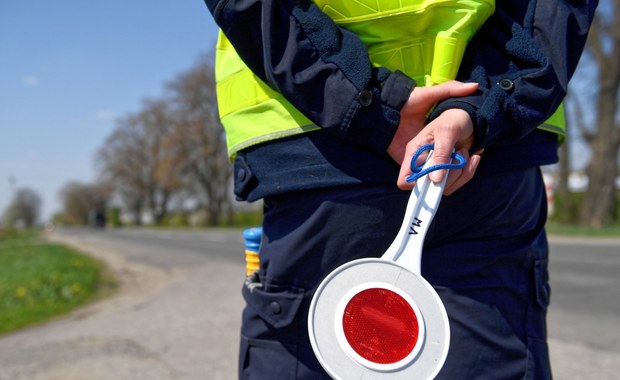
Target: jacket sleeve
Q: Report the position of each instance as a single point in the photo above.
(523, 58)
(322, 69)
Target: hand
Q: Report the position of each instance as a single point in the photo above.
(453, 129)
(413, 114)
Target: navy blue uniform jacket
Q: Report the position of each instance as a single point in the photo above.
(531, 47)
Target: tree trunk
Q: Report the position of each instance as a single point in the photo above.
(599, 205)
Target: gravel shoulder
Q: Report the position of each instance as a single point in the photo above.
(180, 324)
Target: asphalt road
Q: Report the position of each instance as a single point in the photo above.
(585, 295)
(177, 314)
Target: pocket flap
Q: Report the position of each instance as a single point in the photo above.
(541, 275)
(277, 308)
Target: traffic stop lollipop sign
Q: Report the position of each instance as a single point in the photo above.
(377, 318)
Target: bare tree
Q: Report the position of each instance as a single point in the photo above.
(122, 163)
(24, 210)
(162, 178)
(603, 46)
(80, 201)
(172, 146)
(199, 141)
(134, 159)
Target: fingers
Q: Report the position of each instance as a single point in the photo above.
(441, 155)
(453, 128)
(448, 89)
(413, 114)
(458, 178)
(422, 99)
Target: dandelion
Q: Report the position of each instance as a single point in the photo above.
(77, 262)
(20, 292)
(76, 287)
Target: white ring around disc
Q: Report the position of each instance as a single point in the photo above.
(324, 307)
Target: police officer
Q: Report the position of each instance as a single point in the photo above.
(324, 104)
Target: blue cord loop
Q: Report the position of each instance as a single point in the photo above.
(417, 170)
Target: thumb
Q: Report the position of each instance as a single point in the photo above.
(451, 89)
(441, 156)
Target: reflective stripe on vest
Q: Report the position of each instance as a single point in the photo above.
(556, 123)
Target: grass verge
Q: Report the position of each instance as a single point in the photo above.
(40, 280)
(554, 228)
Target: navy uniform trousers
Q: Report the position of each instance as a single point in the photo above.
(485, 254)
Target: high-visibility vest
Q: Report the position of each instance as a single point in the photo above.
(423, 39)
(556, 123)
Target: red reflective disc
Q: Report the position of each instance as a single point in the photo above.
(380, 325)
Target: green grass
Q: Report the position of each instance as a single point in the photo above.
(554, 228)
(40, 280)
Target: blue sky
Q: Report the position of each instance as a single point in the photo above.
(69, 68)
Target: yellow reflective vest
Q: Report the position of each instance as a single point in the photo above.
(423, 39)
